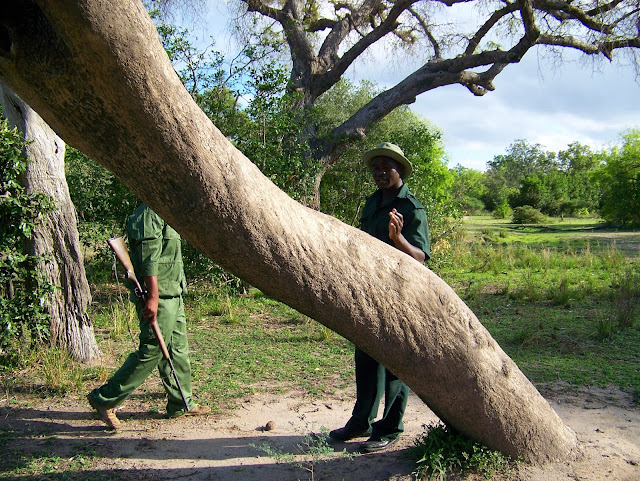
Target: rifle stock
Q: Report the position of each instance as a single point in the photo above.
(122, 254)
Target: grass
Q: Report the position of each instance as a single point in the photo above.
(562, 309)
(263, 345)
(314, 449)
(560, 300)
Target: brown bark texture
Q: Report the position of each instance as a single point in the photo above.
(96, 72)
(56, 238)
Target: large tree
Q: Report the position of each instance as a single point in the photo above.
(56, 239)
(96, 71)
(450, 41)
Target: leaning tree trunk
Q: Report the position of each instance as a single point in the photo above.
(96, 71)
(56, 237)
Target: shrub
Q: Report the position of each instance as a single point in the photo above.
(527, 215)
(502, 211)
(441, 450)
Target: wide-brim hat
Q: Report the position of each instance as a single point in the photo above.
(387, 149)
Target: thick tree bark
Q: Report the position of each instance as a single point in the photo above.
(56, 237)
(97, 73)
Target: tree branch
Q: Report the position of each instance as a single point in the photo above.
(488, 25)
(573, 12)
(427, 32)
(262, 8)
(327, 79)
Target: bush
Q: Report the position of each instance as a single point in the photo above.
(502, 211)
(527, 215)
(441, 450)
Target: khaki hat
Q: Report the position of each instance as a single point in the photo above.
(387, 149)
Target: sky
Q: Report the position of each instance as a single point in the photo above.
(532, 101)
(536, 102)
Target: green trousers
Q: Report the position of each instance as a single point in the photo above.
(141, 363)
(372, 381)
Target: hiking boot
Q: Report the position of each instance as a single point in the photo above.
(107, 415)
(196, 410)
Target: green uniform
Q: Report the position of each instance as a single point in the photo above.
(373, 379)
(155, 250)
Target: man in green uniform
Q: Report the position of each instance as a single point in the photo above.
(156, 255)
(393, 215)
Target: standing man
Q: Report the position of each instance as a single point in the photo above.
(156, 255)
(393, 215)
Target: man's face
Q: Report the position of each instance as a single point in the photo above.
(387, 173)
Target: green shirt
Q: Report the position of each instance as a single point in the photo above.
(375, 219)
(156, 250)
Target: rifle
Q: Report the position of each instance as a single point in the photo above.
(122, 254)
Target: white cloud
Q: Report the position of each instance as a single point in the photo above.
(552, 108)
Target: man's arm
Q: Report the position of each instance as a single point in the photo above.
(150, 309)
(396, 222)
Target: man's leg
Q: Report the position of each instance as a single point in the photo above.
(173, 326)
(369, 389)
(390, 426)
(138, 366)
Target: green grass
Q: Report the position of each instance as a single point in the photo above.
(560, 308)
(263, 345)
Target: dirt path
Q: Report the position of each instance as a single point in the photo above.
(223, 447)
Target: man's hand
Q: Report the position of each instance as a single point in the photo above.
(150, 309)
(396, 222)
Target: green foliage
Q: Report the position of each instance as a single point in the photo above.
(556, 184)
(101, 200)
(199, 70)
(24, 290)
(503, 210)
(619, 180)
(441, 451)
(527, 215)
(275, 138)
(468, 189)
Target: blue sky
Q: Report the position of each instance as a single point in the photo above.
(575, 101)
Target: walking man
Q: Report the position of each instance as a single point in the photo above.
(156, 255)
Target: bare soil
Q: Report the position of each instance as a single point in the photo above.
(225, 446)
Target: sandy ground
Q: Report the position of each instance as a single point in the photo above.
(224, 446)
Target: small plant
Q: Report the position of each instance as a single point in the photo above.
(627, 296)
(604, 329)
(314, 449)
(502, 211)
(561, 294)
(441, 450)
